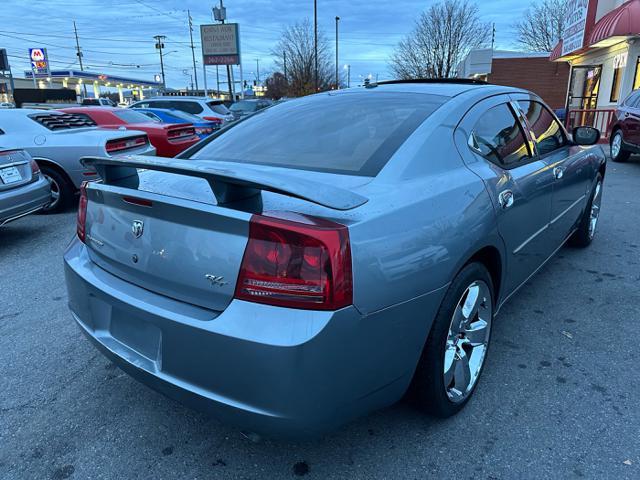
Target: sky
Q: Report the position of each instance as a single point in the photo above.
(116, 36)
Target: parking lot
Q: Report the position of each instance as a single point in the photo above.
(558, 397)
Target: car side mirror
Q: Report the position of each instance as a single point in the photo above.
(586, 135)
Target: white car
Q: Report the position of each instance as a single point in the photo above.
(7, 105)
(204, 107)
(57, 141)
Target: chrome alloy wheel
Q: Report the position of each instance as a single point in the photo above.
(616, 145)
(595, 209)
(55, 192)
(467, 341)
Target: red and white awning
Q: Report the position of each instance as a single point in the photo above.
(618, 24)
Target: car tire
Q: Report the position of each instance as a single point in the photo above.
(61, 190)
(434, 389)
(586, 231)
(618, 153)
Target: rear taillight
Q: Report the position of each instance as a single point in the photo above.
(203, 130)
(179, 133)
(121, 145)
(35, 168)
(297, 262)
(213, 119)
(82, 213)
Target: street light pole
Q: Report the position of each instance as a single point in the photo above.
(337, 73)
(159, 46)
(315, 44)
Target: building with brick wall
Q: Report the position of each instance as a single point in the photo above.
(531, 71)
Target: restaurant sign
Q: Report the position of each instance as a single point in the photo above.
(575, 23)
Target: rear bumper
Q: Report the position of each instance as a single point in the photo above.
(172, 148)
(24, 200)
(275, 371)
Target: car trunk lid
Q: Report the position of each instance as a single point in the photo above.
(15, 169)
(189, 249)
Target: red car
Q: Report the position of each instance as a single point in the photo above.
(169, 139)
(625, 128)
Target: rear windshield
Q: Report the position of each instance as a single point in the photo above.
(218, 107)
(131, 116)
(244, 107)
(187, 117)
(350, 133)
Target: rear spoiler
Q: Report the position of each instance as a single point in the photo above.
(232, 183)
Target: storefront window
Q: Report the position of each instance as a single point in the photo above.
(615, 85)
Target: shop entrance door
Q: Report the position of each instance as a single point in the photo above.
(584, 87)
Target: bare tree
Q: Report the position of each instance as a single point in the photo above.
(296, 44)
(542, 25)
(441, 38)
(276, 86)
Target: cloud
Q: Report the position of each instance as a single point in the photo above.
(117, 35)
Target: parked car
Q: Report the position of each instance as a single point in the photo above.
(625, 128)
(7, 105)
(203, 128)
(57, 141)
(23, 188)
(168, 139)
(98, 102)
(360, 249)
(248, 107)
(204, 107)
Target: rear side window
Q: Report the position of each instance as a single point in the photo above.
(546, 129)
(189, 107)
(218, 108)
(131, 116)
(499, 138)
(354, 133)
(63, 121)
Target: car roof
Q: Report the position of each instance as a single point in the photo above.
(191, 98)
(446, 87)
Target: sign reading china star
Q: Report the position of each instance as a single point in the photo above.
(39, 61)
(575, 23)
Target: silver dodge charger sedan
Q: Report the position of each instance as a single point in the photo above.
(328, 255)
(57, 140)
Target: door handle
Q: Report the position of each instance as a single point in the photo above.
(506, 199)
(558, 172)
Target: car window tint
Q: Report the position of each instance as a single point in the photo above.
(218, 108)
(548, 133)
(499, 138)
(632, 100)
(131, 116)
(351, 133)
(189, 107)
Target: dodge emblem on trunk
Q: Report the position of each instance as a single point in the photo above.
(137, 228)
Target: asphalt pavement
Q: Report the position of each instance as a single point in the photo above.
(558, 398)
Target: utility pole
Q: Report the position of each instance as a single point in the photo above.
(258, 69)
(315, 44)
(79, 54)
(493, 36)
(284, 55)
(160, 46)
(193, 50)
(228, 66)
(337, 73)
